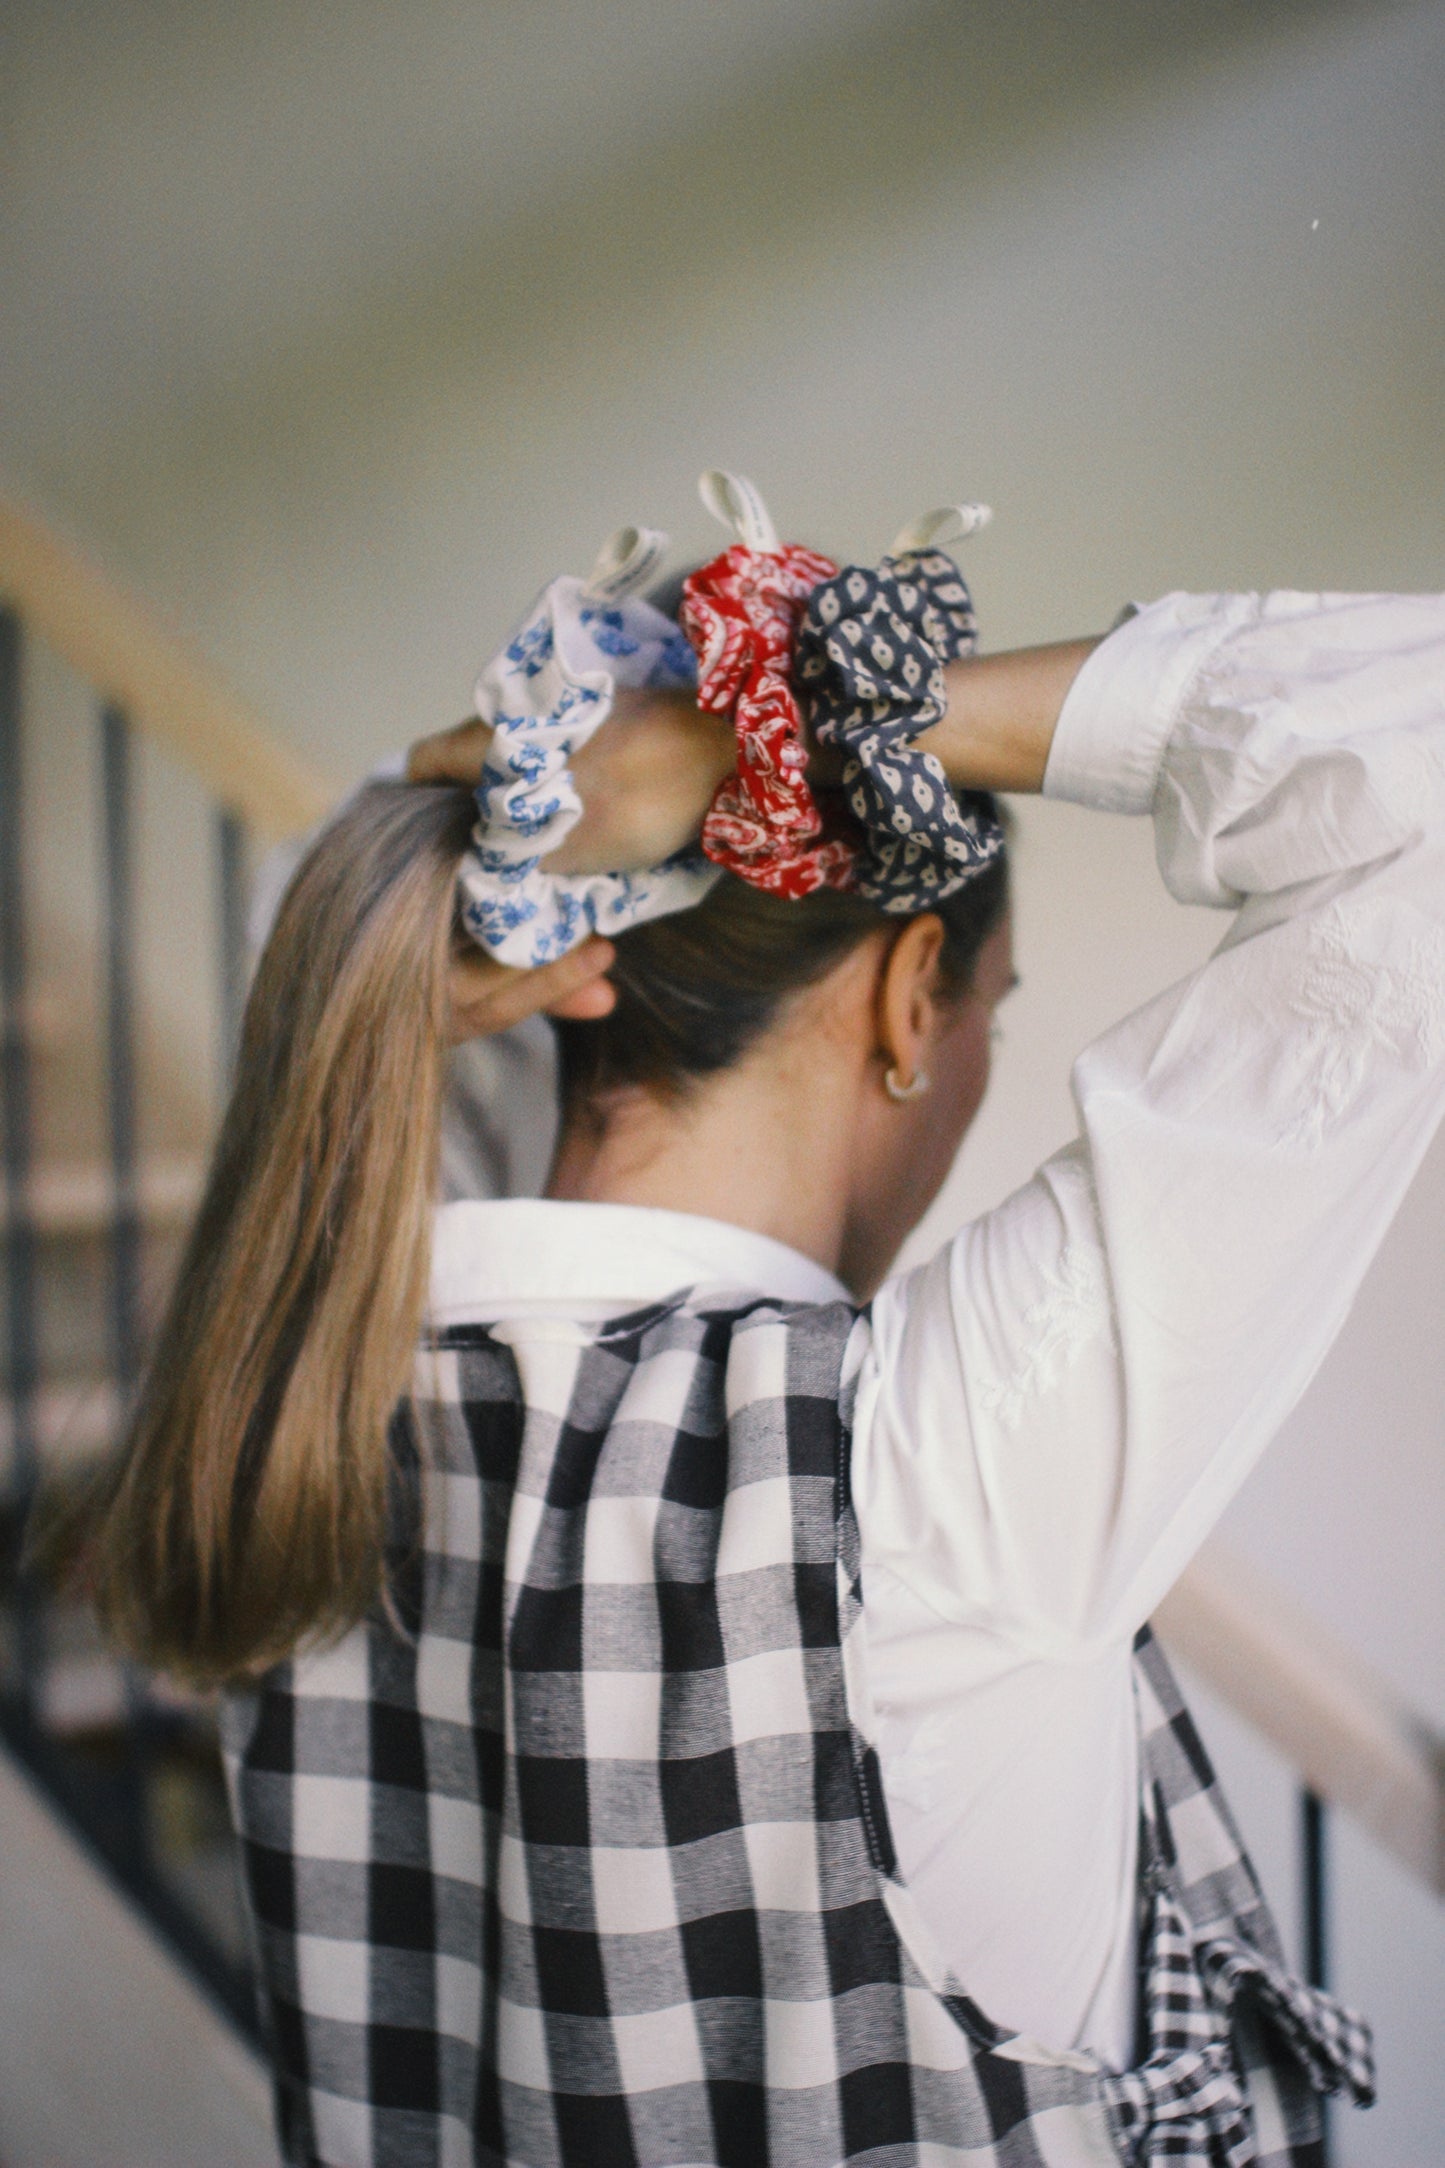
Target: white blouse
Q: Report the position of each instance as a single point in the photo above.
(1054, 1411)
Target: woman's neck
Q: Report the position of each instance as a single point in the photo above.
(759, 1146)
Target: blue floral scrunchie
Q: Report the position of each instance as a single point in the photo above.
(551, 687)
(868, 662)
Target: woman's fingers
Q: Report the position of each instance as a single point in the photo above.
(450, 756)
(488, 997)
(597, 998)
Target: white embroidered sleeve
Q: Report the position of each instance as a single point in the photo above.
(1057, 1408)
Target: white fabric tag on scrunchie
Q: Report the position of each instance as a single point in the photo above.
(551, 687)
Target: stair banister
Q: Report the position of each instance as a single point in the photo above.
(1342, 1727)
(133, 663)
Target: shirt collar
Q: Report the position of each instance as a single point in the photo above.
(531, 1254)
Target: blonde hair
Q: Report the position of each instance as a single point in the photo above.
(247, 1512)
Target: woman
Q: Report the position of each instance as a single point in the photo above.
(718, 1732)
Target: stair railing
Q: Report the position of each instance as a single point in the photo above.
(142, 680)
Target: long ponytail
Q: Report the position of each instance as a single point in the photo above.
(247, 1513)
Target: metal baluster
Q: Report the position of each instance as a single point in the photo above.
(120, 1051)
(125, 1232)
(231, 868)
(20, 1245)
(1313, 1912)
(1312, 1859)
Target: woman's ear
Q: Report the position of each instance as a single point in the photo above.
(908, 998)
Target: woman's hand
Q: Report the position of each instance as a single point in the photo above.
(646, 779)
(488, 997)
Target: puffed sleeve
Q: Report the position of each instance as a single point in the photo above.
(1054, 1411)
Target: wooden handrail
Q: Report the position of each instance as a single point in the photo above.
(128, 657)
(1337, 1722)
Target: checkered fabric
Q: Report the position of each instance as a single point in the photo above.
(868, 662)
(1211, 2087)
(582, 1856)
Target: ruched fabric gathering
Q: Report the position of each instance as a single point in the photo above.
(766, 622)
(547, 692)
(869, 663)
(741, 612)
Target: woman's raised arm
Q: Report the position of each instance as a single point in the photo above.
(648, 778)
(1070, 1392)
(1002, 713)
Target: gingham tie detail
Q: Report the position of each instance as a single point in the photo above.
(1331, 2041)
(1187, 2107)
(1186, 2100)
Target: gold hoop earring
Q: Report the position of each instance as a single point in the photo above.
(917, 1085)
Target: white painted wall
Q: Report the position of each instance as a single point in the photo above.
(109, 2058)
(338, 338)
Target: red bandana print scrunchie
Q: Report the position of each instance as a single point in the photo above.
(741, 613)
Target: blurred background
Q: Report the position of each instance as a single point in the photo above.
(330, 332)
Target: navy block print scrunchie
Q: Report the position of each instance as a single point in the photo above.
(868, 662)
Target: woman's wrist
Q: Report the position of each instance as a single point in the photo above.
(1002, 714)
(648, 779)
(646, 782)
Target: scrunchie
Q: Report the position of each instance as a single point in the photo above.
(546, 693)
(869, 661)
(741, 612)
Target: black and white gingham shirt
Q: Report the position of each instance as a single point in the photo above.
(585, 1858)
